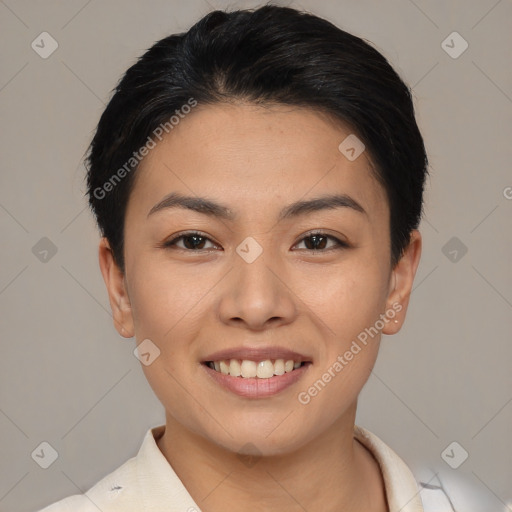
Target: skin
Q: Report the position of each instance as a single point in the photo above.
(190, 304)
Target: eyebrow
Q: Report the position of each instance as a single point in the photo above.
(211, 208)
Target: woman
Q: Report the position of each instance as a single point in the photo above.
(258, 184)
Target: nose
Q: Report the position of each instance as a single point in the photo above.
(257, 295)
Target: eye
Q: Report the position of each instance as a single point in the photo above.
(192, 241)
(318, 240)
(195, 241)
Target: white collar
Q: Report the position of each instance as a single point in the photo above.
(156, 477)
(402, 491)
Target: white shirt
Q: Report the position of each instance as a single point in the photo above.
(147, 483)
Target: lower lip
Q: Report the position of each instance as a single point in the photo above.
(255, 387)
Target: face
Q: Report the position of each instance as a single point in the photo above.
(253, 281)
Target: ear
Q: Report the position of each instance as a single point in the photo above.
(117, 293)
(401, 281)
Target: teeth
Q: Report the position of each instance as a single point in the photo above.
(279, 367)
(265, 369)
(234, 368)
(224, 368)
(250, 369)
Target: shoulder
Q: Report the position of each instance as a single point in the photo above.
(422, 489)
(461, 490)
(110, 494)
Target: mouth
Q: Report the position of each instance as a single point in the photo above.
(256, 372)
(250, 369)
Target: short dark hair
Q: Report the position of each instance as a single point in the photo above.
(270, 55)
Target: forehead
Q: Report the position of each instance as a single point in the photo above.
(252, 156)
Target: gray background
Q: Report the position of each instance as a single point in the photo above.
(69, 379)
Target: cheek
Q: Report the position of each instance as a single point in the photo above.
(167, 309)
(348, 298)
(349, 305)
(349, 308)
(165, 300)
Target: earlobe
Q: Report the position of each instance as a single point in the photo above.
(402, 280)
(117, 292)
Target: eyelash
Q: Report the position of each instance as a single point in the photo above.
(339, 243)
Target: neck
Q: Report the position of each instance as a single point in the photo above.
(332, 472)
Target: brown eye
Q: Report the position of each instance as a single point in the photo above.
(192, 241)
(195, 241)
(319, 241)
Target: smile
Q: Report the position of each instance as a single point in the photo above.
(255, 379)
(247, 369)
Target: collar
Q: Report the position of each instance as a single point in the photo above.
(402, 491)
(156, 477)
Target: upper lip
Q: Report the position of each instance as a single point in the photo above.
(257, 354)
